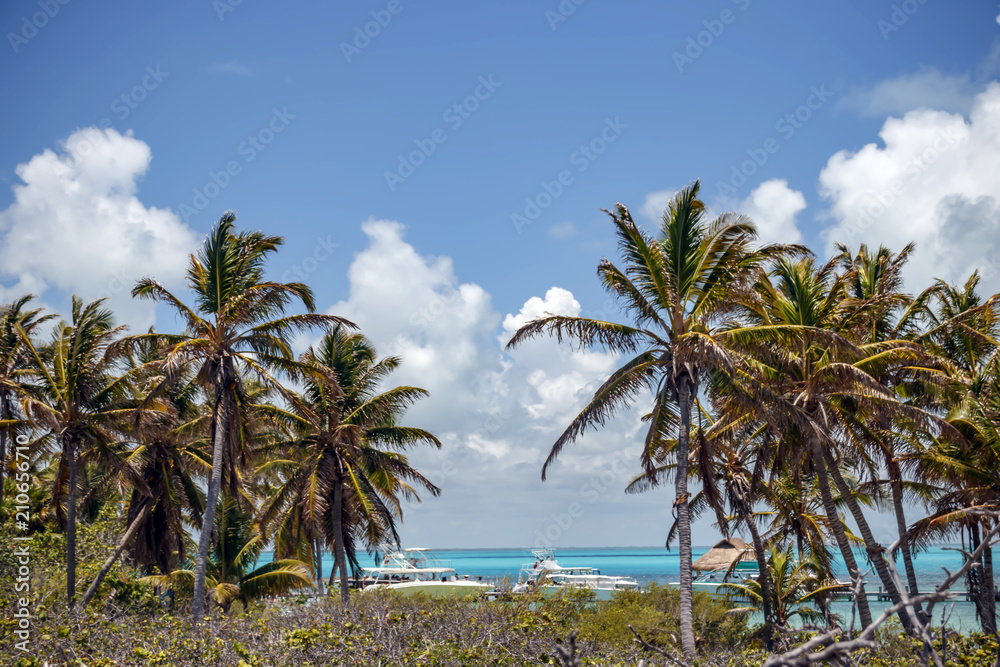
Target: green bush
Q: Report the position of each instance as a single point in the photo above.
(655, 614)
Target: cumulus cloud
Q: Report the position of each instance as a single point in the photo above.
(933, 181)
(773, 206)
(414, 307)
(655, 203)
(927, 88)
(497, 413)
(76, 225)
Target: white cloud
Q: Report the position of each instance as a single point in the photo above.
(231, 67)
(927, 88)
(655, 203)
(932, 181)
(557, 301)
(76, 225)
(561, 230)
(414, 307)
(497, 413)
(773, 206)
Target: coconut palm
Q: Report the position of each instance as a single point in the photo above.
(796, 516)
(879, 311)
(722, 457)
(820, 392)
(83, 400)
(972, 491)
(229, 574)
(794, 586)
(169, 452)
(238, 327)
(740, 462)
(348, 476)
(677, 288)
(17, 324)
(964, 331)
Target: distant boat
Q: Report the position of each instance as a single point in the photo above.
(731, 561)
(710, 581)
(547, 575)
(416, 570)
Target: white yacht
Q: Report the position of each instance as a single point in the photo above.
(412, 571)
(547, 575)
(710, 581)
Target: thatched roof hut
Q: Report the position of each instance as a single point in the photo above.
(723, 555)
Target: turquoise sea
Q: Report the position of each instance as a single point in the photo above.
(652, 564)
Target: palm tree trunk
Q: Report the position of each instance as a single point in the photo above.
(338, 537)
(876, 552)
(765, 582)
(684, 519)
(71, 462)
(989, 593)
(974, 576)
(318, 559)
(981, 583)
(861, 600)
(109, 563)
(208, 519)
(896, 484)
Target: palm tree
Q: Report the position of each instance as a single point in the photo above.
(972, 492)
(742, 488)
(677, 289)
(16, 325)
(794, 584)
(821, 393)
(237, 327)
(796, 514)
(964, 332)
(722, 456)
(879, 312)
(168, 452)
(347, 477)
(232, 556)
(83, 401)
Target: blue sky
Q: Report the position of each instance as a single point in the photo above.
(838, 103)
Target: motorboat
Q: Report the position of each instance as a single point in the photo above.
(545, 574)
(731, 561)
(710, 581)
(419, 571)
